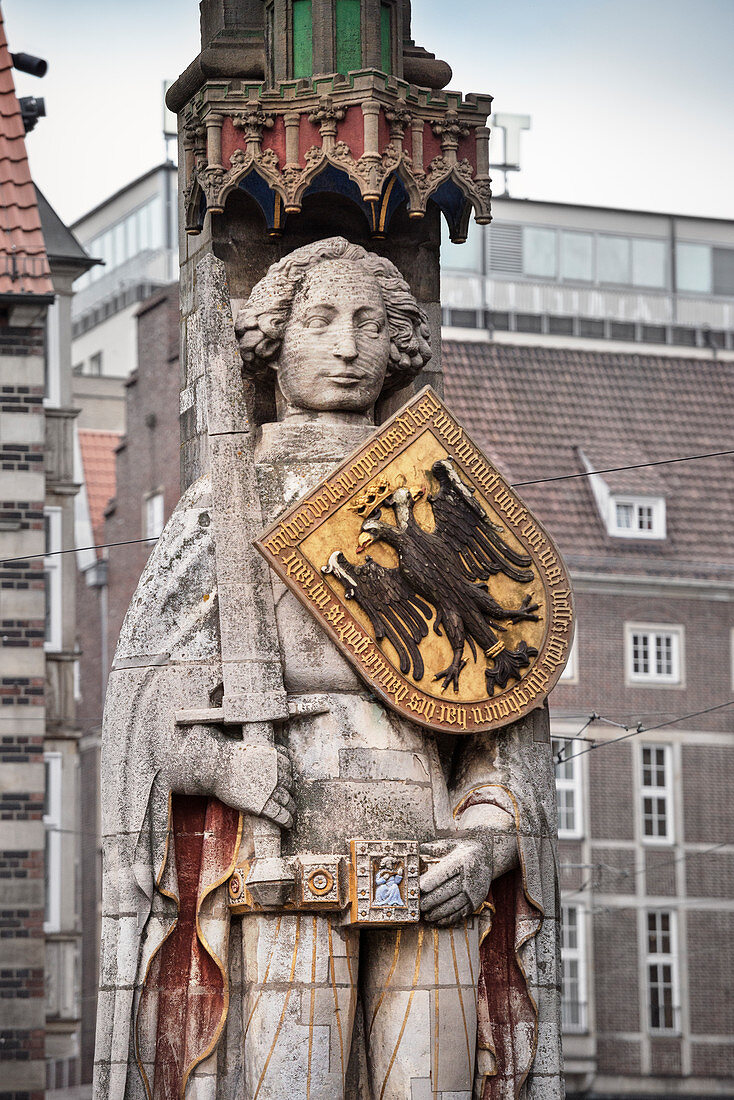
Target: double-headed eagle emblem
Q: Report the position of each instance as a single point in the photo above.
(442, 578)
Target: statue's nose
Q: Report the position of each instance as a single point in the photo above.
(346, 345)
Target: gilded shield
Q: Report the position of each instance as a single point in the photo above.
(430, 575)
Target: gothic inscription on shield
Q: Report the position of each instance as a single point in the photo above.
(430, 575)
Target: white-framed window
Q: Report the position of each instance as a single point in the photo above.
(654, 654)
(52, 825)
(540, 252)
(656, 794)
(613, 263)
(77, 679)
(693, 268)
(577, 256)
(649, 262)
(568, 787)
(52, 579)
(662, 971)
(52, 391)
(573, 969)
(636, 517)
(95, 365)
(571, 672)
(154, 515)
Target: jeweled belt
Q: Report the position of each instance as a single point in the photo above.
(378, 883)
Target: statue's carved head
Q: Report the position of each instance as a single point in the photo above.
(338, 324)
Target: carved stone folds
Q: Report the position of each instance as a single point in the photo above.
(287, 136)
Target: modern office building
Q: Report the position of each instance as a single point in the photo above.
(134, 236)
(552, 273)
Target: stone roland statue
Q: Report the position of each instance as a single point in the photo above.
(283, 1001)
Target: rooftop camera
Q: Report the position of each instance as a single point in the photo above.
(31, 109)
(28, 63)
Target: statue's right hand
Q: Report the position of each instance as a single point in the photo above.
(280, 807)
(259, 782)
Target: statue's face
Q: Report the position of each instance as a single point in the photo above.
(336, 345)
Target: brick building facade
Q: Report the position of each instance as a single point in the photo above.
(96, 465)
(26, 294)
(147, 466)
(65, 831)
(646, 824)
(40, 931)
(531, 305)
(22, 841)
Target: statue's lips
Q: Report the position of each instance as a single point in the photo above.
(347, 378)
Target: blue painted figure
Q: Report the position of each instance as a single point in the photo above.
(388, 879)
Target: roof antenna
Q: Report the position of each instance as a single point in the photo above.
(511, 127)
(709, 340)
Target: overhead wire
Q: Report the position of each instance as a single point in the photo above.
(630, 732)
(515, 485)
(76, 550)
(621, 469)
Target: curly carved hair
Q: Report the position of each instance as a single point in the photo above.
(261, 322)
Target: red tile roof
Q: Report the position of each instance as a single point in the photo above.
(98, 460)
(533, 409)
(23, 261)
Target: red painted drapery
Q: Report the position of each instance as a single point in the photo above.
(192, 988)
(185, 975)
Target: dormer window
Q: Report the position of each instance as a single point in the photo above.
(628, 494)
(636, 517)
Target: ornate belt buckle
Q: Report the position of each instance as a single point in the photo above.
(384, 882)
(321, 882)
(238, 896)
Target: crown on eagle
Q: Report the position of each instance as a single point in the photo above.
(372, 497)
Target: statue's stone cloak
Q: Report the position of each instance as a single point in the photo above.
(167, 660)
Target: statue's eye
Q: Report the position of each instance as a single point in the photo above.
(372, 328)
(317, 324)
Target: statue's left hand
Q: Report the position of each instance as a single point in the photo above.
(484, 848)
(457, 885)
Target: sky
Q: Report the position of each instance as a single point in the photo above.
(630, 101)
